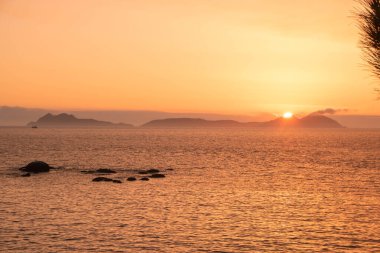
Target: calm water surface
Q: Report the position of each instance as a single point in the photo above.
(230, 190)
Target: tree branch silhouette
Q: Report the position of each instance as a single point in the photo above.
(368, 16)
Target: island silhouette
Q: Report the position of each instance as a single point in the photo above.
(68, 120)
(64, 120)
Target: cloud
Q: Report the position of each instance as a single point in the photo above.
(330, 111)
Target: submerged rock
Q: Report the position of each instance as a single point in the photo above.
(106, 179)
(98, 171)
(153, 171)
(102, 179)
(144, 179)
(131, 179)
(105, 171)
(36, 167)
(150, 171)
(157, 176)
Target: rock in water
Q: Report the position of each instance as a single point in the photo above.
(153, 171)
(116, 181)
(98, 171)
(144, 179)
(150, 171)
(131, 179)
(102, 179)
(157, 176)
(36, 167)
(105, 171)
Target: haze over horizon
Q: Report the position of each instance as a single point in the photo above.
(18, 116)
(223, 57)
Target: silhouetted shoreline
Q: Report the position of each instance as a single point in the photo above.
(64, 120)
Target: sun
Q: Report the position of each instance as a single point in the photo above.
(287, 115)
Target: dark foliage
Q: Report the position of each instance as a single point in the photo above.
(368, 16)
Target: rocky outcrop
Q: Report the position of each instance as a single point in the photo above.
(40, 166)
(99, 171)
(150, 171)
(106, 179)
(153, 171)
(157, 176)
(102, 179)
(36, 167)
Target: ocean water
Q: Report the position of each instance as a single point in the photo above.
(229, 190)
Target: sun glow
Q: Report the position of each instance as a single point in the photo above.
(287, 115)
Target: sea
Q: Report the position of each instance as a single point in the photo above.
(225, 190)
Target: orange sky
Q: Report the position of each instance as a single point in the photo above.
(224, 56)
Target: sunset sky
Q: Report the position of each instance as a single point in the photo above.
(215, 56)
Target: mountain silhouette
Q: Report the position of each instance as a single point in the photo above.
(319, 121)
(65, 120)
(69, 120)
(190, 123)
(310, 121)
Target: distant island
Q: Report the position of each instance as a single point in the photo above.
(310, 121)
(65, 120)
